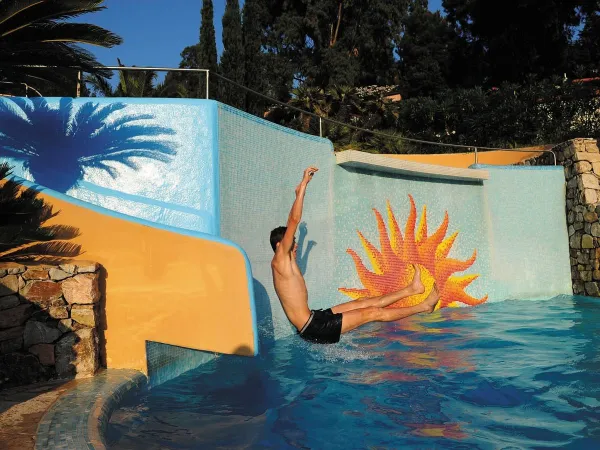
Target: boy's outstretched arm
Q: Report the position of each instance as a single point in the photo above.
(296, 212)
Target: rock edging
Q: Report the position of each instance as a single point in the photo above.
(49, 317)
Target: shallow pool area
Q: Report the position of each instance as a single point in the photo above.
(511, 374)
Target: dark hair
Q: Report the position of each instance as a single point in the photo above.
(276, 236)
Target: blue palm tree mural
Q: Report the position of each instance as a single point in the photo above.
(56, 145)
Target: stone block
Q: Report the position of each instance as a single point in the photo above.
(9, 285)
(11, 333)
(591, 288)
(58, 312)
(8, 302)
(571, 230)
(585, 275)
(589, 196)
(582, 167)
(595, 229)
(58, 275)
(12, 268)
(42, 293)
(81, 289)
(596, 275)
(591, 147)
(39, 333)
(58, 302)
(35, 273)
(80, 267)
(66, 325)
(578, 225)
(585, 156)
(573, 261)
(587, 241)
(14, 317)
(84, 314)
(570, 217)
(44, 353)
(575, 241)
(590, 216)
(571, 184)
(587, 181)
(587, 227)
(87, 267)
(11, 345)
(69, 268)
(77, 353)
(578, 287)
(596, 168)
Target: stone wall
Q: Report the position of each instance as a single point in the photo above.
(581, 160)
(49, 319)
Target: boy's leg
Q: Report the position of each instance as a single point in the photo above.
(414, 288)
(355, 318)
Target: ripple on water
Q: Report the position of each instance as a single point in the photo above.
(514, 374)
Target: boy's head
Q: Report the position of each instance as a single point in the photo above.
(277, 236)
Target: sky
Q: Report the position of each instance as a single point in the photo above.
(155, 34)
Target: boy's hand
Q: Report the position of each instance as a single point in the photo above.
(308, 174)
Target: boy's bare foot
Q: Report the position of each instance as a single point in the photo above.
(431, 300)
(416, 284)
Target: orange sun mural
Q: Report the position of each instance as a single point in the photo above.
(392, 264)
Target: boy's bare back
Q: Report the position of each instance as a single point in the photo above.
(287, 277)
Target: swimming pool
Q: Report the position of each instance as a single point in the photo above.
(512, 374)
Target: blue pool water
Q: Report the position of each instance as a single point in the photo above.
(513, 374)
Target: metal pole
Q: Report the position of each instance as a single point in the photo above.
(207, 85)
(78, 83)
(320, 127)
(476, 160)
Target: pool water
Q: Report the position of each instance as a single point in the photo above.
(512, 374)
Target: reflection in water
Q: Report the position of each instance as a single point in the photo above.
(516, 374)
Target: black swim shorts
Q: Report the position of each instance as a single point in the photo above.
(322, 327)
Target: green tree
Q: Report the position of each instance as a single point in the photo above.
(425, 52)
(519, 38)
(207, 49)
(24, 235)
(586, 51)
(184, 84)
(232, 58)
(254, 59)
(37, 33)
(332, 42)
(138, 83)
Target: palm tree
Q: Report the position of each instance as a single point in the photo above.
(23, 235)
(57, 144)
(34, 33)
(132, 83)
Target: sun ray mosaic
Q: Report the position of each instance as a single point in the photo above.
(392, 264)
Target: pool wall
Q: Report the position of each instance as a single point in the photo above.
(198, 171)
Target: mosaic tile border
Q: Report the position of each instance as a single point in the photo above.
(79, 418)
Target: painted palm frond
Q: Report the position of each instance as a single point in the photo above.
(56, 145)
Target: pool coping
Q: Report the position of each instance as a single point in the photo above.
(79, 417)
(379, 163)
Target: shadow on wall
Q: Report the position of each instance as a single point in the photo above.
(302, 251)
(57, 145)
(264, 315)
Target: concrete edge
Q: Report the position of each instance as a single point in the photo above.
(369, 161)
(79, 418)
